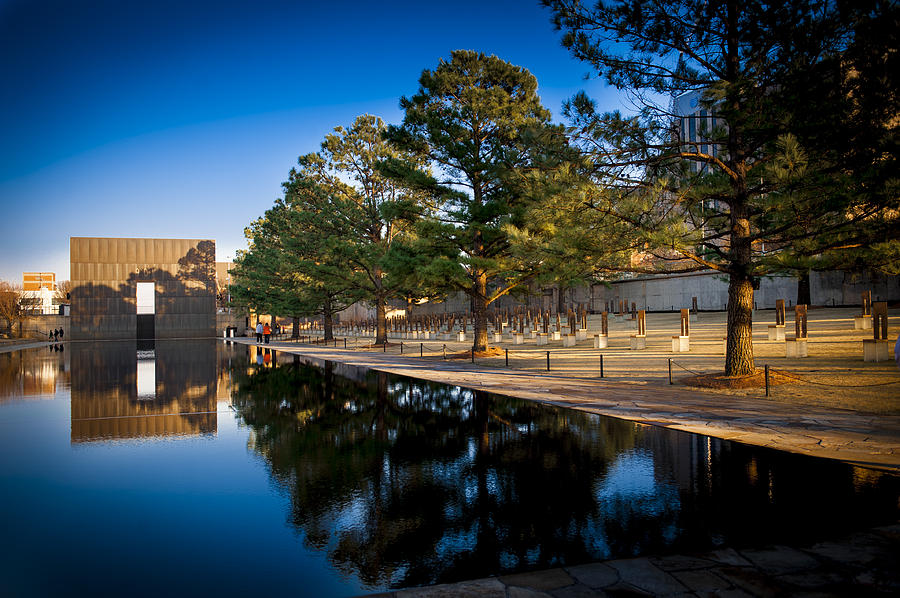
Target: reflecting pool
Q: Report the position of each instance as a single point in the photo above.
(198, 467)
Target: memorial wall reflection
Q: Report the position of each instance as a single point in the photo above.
(405, 482)
(34, 373)
(143, 389)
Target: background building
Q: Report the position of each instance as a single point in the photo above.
(142, 288)
(39, 293)
(696, 125)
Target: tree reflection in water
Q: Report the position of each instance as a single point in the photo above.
(405, 482)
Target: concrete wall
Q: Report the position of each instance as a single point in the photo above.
(38, 326)
(664, 293)
(104, 276)
(674, 292)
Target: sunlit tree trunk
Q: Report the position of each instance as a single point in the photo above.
(479, 312)
(328, 319)
(380, 310)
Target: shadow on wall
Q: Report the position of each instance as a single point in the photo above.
(185, 301)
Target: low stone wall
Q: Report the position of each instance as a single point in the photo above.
(675, 291)
(39, 326)
(226, 319)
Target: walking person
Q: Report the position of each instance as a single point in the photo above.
(60, 333)
(267, 331)
(259, 331)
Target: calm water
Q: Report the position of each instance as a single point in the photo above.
(197, 467)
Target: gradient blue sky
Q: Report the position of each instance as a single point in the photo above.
(181, 119)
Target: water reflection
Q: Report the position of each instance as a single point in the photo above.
(33, 374)
(130, 390)
(403, 482)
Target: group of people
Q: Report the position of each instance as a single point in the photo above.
(263, 331)
(55, 335)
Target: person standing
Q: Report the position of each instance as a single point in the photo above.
(267, 331)
(259, 331)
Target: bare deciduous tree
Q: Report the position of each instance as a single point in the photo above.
(11, 310)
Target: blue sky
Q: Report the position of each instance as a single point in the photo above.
(181, 119)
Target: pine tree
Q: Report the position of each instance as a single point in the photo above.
(288, 268)
(473, 120)
(749, 199)
(364, 213)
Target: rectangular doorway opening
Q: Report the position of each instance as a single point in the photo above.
(146, 310)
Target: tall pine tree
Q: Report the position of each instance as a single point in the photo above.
(742, 196)
(474, 120)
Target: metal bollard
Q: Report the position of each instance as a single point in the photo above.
(444, 349)
(670, 370)
(601, 365)
(767, 379)
(420, 349)
(548, 361)
(507, 357)
(401, 347)
(385, 347)
(345, 342)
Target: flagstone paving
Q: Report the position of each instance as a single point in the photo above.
(862, 564)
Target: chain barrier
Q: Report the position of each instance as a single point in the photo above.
(539, 355)
(686, 369)
(786, 374)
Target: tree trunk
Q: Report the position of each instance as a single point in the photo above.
(804, 292)
(380, 321)
(561, 300)
(739, 349)
(479, 312)
(739, 345)
(295, 327)
(327, 319)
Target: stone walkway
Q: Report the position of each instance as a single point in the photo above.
(862, 564)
